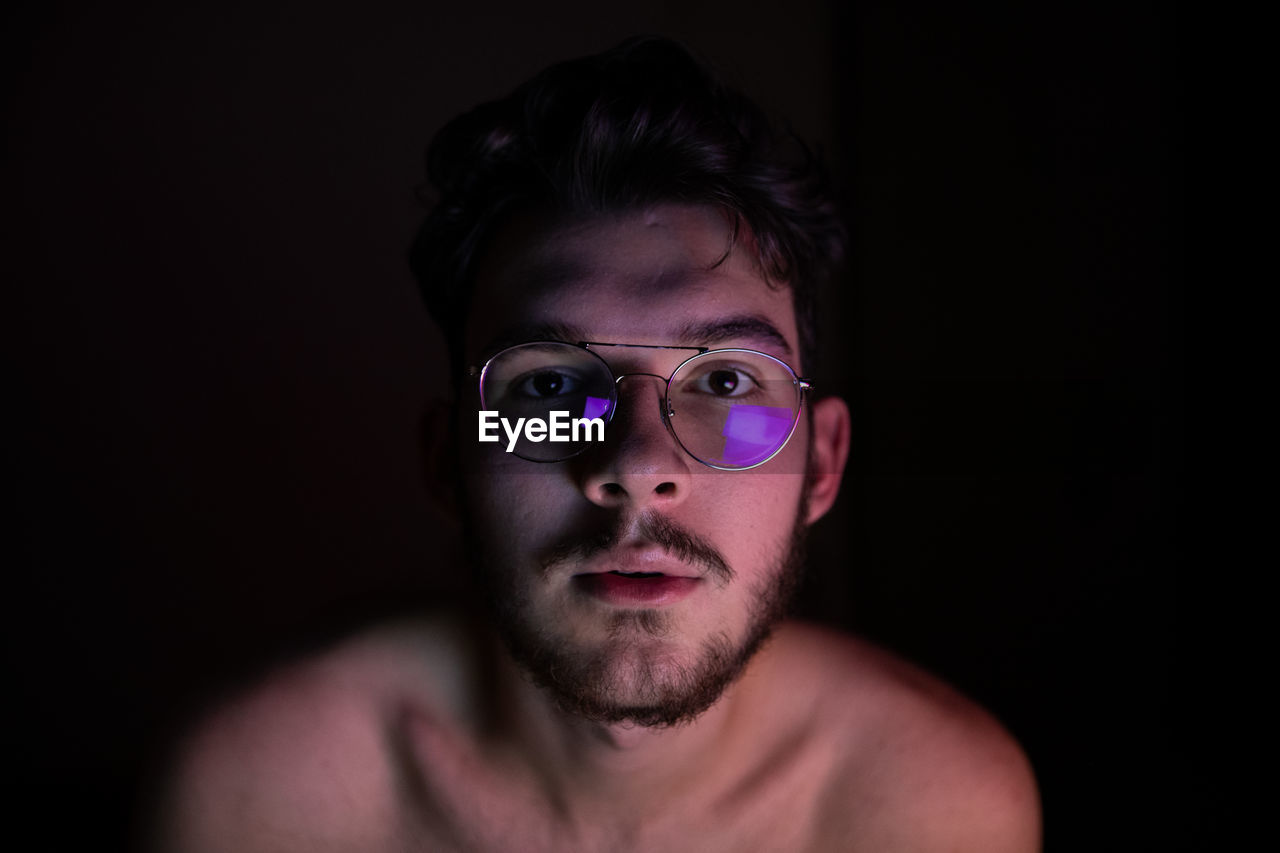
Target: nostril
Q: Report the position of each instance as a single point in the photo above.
(613, 489)
(665, 488)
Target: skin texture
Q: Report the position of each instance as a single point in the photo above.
(428, 735)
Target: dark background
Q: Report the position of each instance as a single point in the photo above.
(220, 359)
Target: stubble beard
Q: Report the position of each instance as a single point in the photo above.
(634, 677)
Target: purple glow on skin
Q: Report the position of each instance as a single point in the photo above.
(753, 432)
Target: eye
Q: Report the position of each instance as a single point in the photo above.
(724, 381)
(546, 383)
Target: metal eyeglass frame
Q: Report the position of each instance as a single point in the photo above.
(803, 385)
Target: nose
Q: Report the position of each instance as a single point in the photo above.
(640, 465)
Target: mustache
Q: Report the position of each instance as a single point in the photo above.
(675, 540)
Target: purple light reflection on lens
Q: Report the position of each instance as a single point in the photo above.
(596, 407)
(753, 432)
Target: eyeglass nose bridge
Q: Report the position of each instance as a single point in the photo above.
(667, 411)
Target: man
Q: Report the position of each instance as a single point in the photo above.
(620, 241)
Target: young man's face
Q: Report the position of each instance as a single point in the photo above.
(717, 550)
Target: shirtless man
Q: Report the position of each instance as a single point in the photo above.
(619, 239)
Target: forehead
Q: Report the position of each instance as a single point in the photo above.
(656, 276)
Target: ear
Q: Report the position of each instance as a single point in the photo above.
(828, 454)
(440, 457)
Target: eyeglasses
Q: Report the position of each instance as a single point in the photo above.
(730, 409)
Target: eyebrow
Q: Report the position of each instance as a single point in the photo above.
(752, 328)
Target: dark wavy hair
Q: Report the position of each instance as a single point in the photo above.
(643, 123)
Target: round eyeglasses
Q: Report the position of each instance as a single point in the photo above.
(730, 409)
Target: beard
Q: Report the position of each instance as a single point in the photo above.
(634, 677)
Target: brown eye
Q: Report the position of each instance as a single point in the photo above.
(723, 382)
(547, 383)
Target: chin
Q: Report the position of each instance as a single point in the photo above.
(643, 671)
(651, 682)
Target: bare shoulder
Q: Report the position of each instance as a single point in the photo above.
(306, 758)
(917, 766)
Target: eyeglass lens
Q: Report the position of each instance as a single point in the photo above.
(727, 408)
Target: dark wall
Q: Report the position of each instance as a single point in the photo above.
(1015, 360)
(221, 359)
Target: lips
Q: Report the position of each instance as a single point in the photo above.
(650, 589)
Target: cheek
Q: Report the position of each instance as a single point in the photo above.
(753, 517)
(513, 511)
